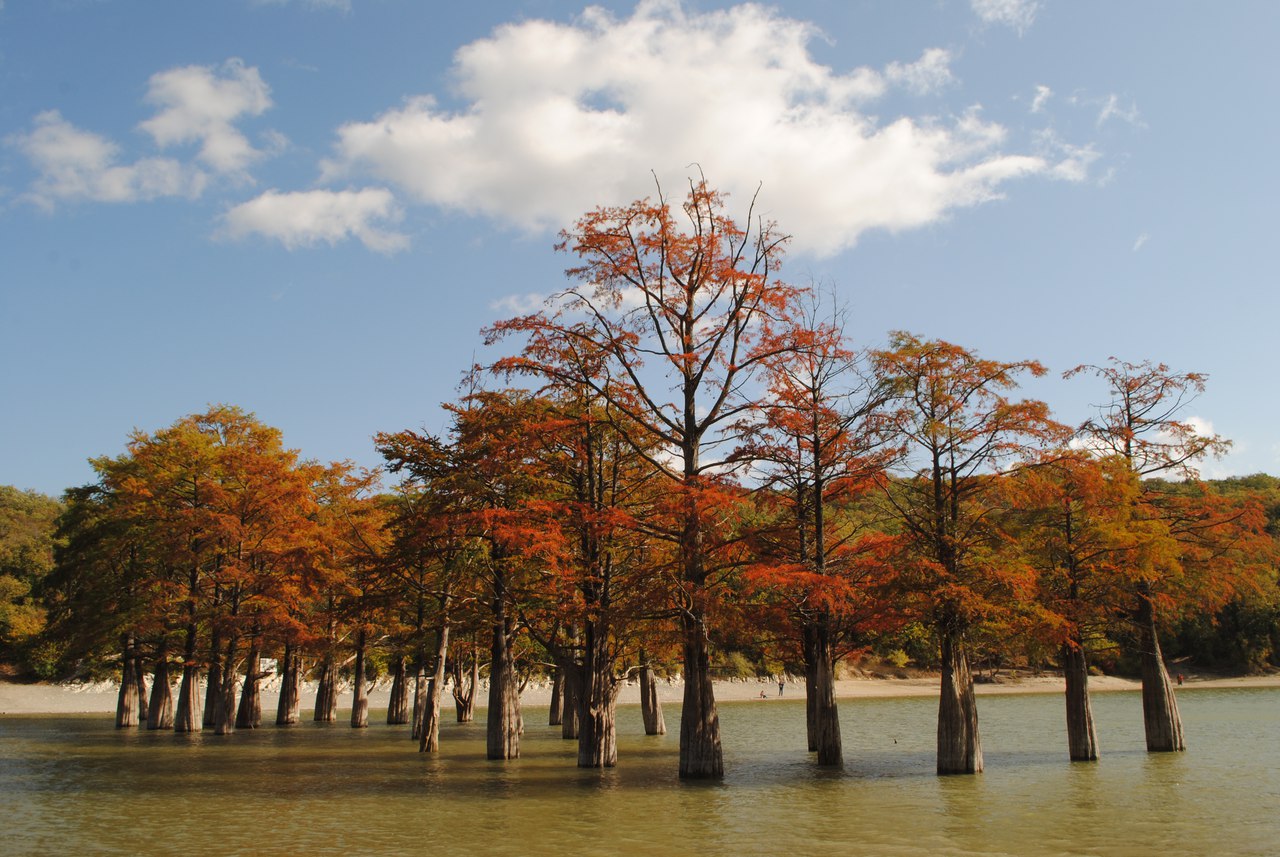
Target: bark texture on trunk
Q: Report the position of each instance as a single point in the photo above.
(360, 698)
(820, 696)
(190, 713)
(570, 709)
(701, 756)
(249, 714)
(224, 708)
(215, 677)
(464, 698)
(502, 734)
(1160, 715)
(430, 740)
(140, 676)
(419, 695)
(555, 715)
(288, 709)
(398, 702)
(1082, 738)
(650, 704)
(128, 702)
(327, 692)
(160, 709)
(959, 745)
(597, 704)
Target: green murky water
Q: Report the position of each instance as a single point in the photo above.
(76, 785)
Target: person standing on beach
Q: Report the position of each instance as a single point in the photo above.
(782, 685)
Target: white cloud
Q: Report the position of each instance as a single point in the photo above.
(928, 74)
(521, 304)
(1018, 14)
(560, 118)
(200, 104)
(1043, 94)
(1111, 109)
(1141, 241)
(75, 164)
(307, 218)
(1068, 162)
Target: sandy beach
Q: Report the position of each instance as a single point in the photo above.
(100, 697)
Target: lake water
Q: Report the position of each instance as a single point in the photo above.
(77, 785)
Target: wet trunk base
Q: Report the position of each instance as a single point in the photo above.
(959, 744)
(160, 709)
(1082, 738)
(650, 704)
(701, 756)
(190, 713)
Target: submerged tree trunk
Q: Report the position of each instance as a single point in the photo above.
(1082, 739)
(809, 651)
(224, 721)
(360, 700)
(597, 703)
(570, 699)
(419, 694)
(502, 739)
(555, 715)
(128, 702)
(701, 756)
(249, 715)
(959, 745)
(288, 709)
(160, 709)
(650, 704)
(464, 700)
(190, 713)
(1160, 715)
(820, 696)
(327, 692)
(215, 677)
(430, 739)
(398, 703)
(140, 676)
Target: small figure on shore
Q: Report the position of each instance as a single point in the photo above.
(1180, 679)
(782, 685)
(763, 695)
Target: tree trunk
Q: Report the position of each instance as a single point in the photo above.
(160, 709)
(360, 698)
(190, 713)
(224, 720)
(398, 703)
(959, 745)
(597, 703)
(128, 701)
(650, 704)
(503, 727)
(701, 756)
(215, 677)
(419, 693)
(465, 701)
(288, 709)
(430, 740)
(140, 676)
(809, 645)
(1082, 739)
(820, 696)
(327, 692)
(1160, 714)
(249, 715)
(555, 716)
(570, 701)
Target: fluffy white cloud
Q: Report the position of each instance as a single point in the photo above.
(306, 218)
(200, 104)
(559, 118)
(1018, 14)
(75, 164)
(1112, 109)
(928, 74)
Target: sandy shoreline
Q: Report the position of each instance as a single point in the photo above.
(100, 697)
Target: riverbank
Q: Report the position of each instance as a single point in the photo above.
(100, 697)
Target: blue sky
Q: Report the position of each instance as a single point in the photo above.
(309, 209)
